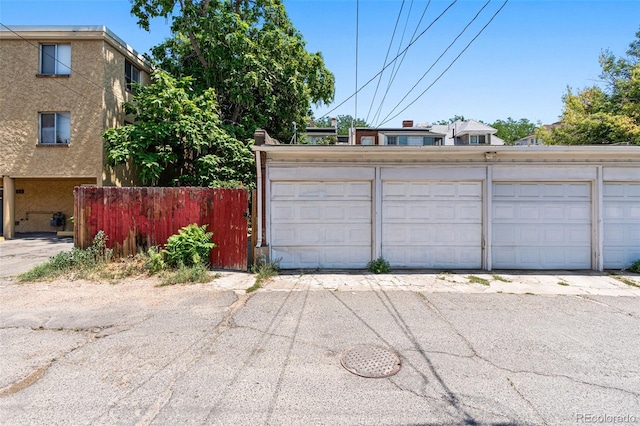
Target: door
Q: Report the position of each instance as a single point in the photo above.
(321, 224)
(541, 225)
(621, 216)
(432, 224)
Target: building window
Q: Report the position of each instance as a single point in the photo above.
(477, 139)
(367, 140)
(55, 128)
(131, 75)
(55, 59)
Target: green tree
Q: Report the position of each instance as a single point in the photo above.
(344, 123)
(595, 115)
(511, 130)
(176, 138)
(250, 53)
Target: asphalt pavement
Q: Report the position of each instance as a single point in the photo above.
(130, 353)
(473, 347)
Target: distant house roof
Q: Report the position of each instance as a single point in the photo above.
(472, 126)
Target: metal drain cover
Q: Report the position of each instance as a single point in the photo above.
(371, 361)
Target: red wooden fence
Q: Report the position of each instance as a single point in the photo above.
(135, 219)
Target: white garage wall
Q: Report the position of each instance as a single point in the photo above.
(555, 216)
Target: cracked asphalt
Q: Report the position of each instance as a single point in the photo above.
(131, 353)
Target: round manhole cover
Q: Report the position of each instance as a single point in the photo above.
(371, 361)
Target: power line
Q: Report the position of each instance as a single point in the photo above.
(438, 59)
(389, 64)
(393, 36)
(396, 70)
(450, 65)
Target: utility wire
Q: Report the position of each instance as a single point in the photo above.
(438, 59)
(387, 119)
(389, 64)
(396, 70)
(386, 57)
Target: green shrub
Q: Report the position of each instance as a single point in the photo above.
(379, 266)
(191, 246)
(154, 260)
(197, 273)
(635, 266)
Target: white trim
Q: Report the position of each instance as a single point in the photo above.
(377, 215)
(621, 174)
(486, 220)
(259, 196)
(321, 173)
(547, 173)
(433, 173)
(597, 221)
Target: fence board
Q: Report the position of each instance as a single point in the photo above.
(135, 219)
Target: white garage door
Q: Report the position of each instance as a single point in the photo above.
(541, 225)
(621, 224)
(316, 224)
(432, 224)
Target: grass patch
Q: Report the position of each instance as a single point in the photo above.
(96, 263)
(635, 267)
(80, 263)
(444, 276)
(379, 266)
(264, 271)
(477, 280)
(563, 282)
(499, 278)
(626, 281)
(197, 273)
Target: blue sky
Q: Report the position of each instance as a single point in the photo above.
(519, 66)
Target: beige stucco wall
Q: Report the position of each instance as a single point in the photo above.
(114, 79)
(93, 94)
(40, 199)
(23, 95)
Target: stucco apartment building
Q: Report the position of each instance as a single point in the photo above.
(60, 88)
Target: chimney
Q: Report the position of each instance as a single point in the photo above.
(407, 123)
(334, 122)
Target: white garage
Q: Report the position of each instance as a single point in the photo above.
(432, 224)
(541, 225)
(438, 207)
(621, 216)
(321, 223)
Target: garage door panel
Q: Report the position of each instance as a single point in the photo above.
(430, 211)
(320, 211)
(321, 235)
(541, 225)
(321, 224)
(436, 257)
(432, 224)
(313, 257)
(320, 190)
(621, 224)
